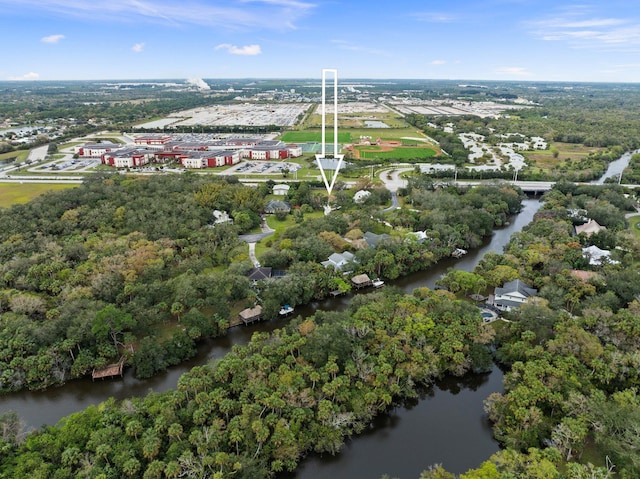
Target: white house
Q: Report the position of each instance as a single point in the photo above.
(221, 217)
(281, 190)
(597, 256)
(512, 295)
(339, 260)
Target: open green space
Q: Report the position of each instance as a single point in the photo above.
(397, 153)
(634, 225)
(310, 135)
(545, 158)
(357, 119)
(20, 155)
(14, 193)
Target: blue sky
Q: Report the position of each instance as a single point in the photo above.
(534, 40)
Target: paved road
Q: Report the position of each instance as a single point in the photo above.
(392, 180)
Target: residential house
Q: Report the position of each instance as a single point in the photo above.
(589, 228)
(258, 274)
(277, 206)
(373, 240)
(597, 256)
(221, 217)
(512, 295)
(281, 190)
(339, 260)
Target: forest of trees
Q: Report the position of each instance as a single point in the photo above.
(87, 271)
(131, 266)
(570, 357)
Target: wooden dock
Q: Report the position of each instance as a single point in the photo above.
(109, 371)
(251, 315)
(361, 281)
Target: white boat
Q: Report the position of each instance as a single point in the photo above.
(377, 283)
(285, 310)
(459, 252)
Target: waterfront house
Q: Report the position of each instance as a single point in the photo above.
(512, 295)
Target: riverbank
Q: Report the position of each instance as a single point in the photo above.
(38, 408)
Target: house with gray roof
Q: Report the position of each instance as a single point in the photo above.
(512, 295)
(339, 260)
(277, 206)
(373, 240)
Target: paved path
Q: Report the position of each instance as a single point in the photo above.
(252, 239)
(252, 255)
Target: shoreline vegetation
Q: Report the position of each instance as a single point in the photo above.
(311, 384)
(97, 270)
(130, 263)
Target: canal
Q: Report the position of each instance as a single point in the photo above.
(616, 167)
(447, 425)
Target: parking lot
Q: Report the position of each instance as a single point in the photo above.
(269, 167)
(66, 165)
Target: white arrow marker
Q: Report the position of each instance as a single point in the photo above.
(322, 156)
(319, 158)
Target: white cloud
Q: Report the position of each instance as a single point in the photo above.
(230, 14)
(513, 71)
(438, 62)
(434, 17)
(580, 29)
(138, 47)
(247, 50)
(52, 38)
(26, 76)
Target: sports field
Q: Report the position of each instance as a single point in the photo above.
(400, 153)
(13, 193)
(314, 136)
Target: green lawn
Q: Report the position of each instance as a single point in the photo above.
(309, 136)
(634, 225)
(545, 159)
(397, 153)
(280, 226)
(13, 193)
(21, 155)
(349, 135)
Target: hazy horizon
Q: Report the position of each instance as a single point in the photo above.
(490, 40)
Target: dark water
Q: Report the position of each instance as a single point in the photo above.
(468, 262)
(447, 426)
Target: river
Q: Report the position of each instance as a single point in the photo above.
(447, 426)
(616, 167)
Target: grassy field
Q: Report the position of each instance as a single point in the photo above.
(397, 153)
(634, 225)
(544, 158)
(21, 155)
(356, 120)
(310, 135)
(13, 193)
(352, 135)
(279, 227)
